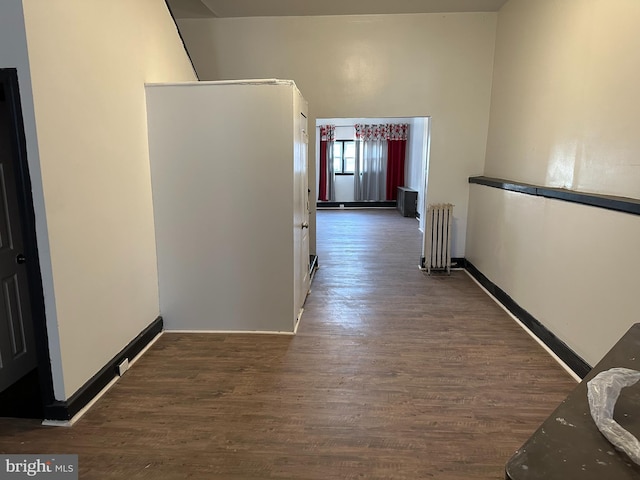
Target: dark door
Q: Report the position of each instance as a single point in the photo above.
(17, 342)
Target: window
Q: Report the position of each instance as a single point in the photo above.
(344, 157)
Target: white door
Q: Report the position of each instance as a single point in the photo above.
(304, 253)
(301, 214)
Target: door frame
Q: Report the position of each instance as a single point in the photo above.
(424, 160)
(9, 79)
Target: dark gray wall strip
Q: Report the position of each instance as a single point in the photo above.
(610, 202)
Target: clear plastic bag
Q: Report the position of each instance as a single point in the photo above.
(603, 391)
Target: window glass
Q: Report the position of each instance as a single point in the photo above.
(349, 157)
(344, 156)
(337, 157)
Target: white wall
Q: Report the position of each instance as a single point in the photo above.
(343, 132)
(343, 183)
(344, 188)
(88, 63)
(564, 113)
(437, 65)
(414, 159)
(14, 54)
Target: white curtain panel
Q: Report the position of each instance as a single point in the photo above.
(370, 183)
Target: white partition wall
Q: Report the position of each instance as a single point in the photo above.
(222, 168)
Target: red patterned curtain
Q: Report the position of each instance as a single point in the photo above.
(397, 147)
(326, 183)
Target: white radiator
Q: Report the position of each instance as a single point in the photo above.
(438, 237)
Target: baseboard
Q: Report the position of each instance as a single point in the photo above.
(65, 410)
(456, 262)
(370, 204)
(313, 268)
(230, 332)
(557, 346)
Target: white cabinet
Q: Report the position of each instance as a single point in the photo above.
(229, 178)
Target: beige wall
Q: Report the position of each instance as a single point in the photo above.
(564, 113)
(573, 267)
(565, 95)
(14, 54)
(88, 63)
(436, 65)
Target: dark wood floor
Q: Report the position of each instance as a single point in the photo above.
(393, 375)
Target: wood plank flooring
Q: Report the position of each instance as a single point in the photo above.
(393, 375)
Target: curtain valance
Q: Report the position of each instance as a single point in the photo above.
(327, 133)
(387, 131)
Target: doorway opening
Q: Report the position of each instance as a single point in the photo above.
(25, 371)
(344, 170)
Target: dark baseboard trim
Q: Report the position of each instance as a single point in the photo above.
(384, 204)
(456, 262)
(313, 268)
(313, 263)
(568, 356)
(65, 410)
(609, 202)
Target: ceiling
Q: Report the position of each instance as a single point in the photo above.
(283, 8)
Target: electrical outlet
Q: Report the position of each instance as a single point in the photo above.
(123, 367)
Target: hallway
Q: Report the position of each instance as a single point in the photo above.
(392, 375)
